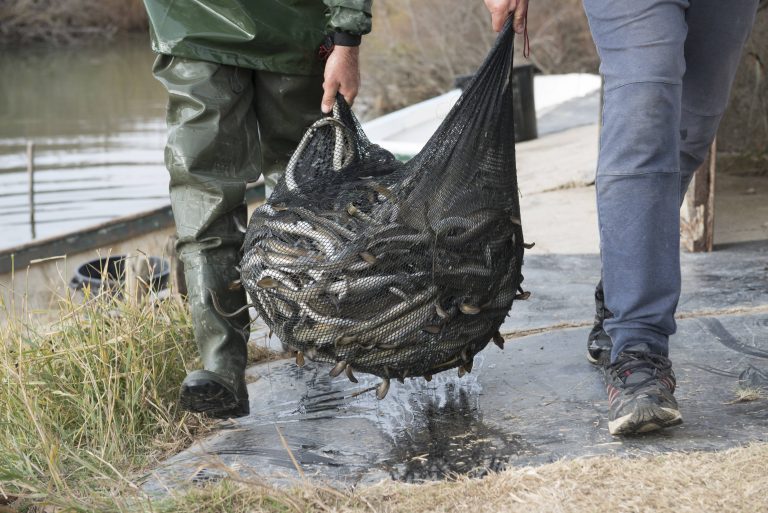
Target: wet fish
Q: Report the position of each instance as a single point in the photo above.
(338, 369)
(468, 309)
(382, 389)
(366, 256)
(345, 340)
(267, 283)
(384, 191)
(498, 340)
(311, 266)
(239, 225)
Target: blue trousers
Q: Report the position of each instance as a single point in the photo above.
(668, 67)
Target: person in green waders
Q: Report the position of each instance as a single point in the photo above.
(245, 78)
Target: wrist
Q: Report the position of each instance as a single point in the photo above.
(347, 50)
(349, 55)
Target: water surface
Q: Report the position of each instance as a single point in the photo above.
(97, 119)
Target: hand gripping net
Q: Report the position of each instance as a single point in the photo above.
(395, 269)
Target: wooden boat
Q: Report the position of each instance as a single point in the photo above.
(35, 274)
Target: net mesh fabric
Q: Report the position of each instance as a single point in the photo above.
(390, 268)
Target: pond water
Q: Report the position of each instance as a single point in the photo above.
(96, 117)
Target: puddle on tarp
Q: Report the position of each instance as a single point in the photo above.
(448, 438)
(436, 429)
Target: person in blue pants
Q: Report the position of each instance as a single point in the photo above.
(668, 67)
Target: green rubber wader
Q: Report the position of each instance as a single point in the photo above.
(226, 126)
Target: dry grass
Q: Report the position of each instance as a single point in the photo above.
(413, 54)
(418, 48)
(560, 37)
(749, 394)
(65, 21)
(729, 481)
(91, 399)
(259, 354)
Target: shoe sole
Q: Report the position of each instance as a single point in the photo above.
(645, 420)
(212, 399)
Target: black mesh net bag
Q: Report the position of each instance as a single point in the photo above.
(395, 269)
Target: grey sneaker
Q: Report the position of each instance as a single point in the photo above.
(640, 387)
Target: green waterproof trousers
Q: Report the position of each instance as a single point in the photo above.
(226, 126)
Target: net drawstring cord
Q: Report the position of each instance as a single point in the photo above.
(340, 157)
(526, 41)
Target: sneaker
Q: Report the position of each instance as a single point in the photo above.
(640, 385)
(207, 392)
(599, 344)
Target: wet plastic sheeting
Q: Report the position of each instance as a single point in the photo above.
(535, 402)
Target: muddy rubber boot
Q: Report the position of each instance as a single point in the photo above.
(219, 389)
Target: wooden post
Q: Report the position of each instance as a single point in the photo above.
(31, 177)
(697, 224)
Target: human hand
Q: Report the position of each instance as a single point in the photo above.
(342, 75)
(500, 10)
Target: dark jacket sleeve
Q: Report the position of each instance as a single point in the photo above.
(349, 16)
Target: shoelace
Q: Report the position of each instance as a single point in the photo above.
(655, 366)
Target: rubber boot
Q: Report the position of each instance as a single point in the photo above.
(214, 293)
(212, 151)
(219, 117)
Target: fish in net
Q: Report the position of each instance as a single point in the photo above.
(391, 268)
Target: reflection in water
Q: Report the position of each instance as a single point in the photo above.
(97, 118)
